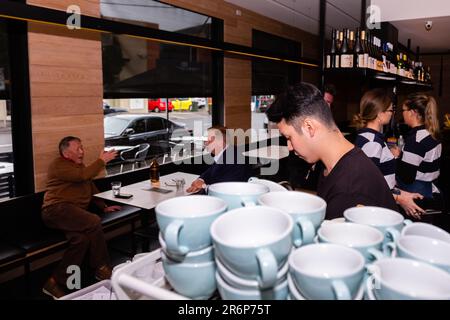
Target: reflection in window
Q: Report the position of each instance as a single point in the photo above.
(157, 15)
(147, 69)
(172, 133)
(271, 77)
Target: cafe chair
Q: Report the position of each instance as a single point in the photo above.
(135, 155)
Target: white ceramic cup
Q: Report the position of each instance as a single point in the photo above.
(365, 239)
(238, 194)
(426, 230)
(327, 271)
(406, 279)
(307, 211)
(425, 249)
(184, 222)
(253, 242)
(387, 221)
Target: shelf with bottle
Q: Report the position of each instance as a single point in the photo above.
(369, 56)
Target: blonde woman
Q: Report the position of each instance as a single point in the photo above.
(376, 110)
(419, 161)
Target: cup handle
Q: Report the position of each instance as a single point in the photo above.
(375, 254)
(307, 232)
(369, 289)
(171, 235)
(268, 268)
(392, 234)
(389, 249)
(340, 290)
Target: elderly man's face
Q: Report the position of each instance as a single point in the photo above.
(74, 152)
(328, 98)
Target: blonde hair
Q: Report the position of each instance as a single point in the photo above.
(372, 103)
(426, 107)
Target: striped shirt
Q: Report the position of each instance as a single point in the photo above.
(372, 143)
(420, 160)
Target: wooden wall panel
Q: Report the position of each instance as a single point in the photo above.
(66, 87)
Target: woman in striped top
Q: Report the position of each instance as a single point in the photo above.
(419, 163)
(376, 110)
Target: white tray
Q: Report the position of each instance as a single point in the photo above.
(143, 279)
(99, 291)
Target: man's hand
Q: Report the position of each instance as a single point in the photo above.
(112, 209)
(406, 201)
(107, 156)
(196, 186)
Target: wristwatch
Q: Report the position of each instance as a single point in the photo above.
(396, 192)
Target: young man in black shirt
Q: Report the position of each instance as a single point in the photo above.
(349, 177)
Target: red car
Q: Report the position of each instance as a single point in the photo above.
(157, 105)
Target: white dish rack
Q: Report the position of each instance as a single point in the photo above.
(143, 279)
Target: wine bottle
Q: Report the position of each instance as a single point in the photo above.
(346, 54)
(330, 61)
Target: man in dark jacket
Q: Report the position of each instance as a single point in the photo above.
(228, 164)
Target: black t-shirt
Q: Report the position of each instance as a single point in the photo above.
(354, 180)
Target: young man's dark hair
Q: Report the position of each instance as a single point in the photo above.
(349, 178)
(298, 102)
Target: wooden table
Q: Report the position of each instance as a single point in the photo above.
(145, 199)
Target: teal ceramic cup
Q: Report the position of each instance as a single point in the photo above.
(238, 194)
(367, 240)
(327, 271)
(425, 249)
(245, 284)
(426, 230)
(198, 256)
(253, 243)
(406, 279)
(184, 222)
(389, 222)
(228, 292)
(193, 280)
(307, 211)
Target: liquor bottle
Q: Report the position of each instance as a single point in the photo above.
(154, 172)
(330, 61)
(358, 60)
(337, 57)
(346, 54)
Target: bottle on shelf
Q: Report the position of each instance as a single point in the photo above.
(358, 57)
(346, 54)
(330, 60)
(154, 172)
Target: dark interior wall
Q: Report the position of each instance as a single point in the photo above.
(443, 98)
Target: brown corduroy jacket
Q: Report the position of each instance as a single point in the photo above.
(72, 183)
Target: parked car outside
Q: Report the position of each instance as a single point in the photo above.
(107, 110)
(181, 104)
(158, 105)
(134, 129)
(201, 102)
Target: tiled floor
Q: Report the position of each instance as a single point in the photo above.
(18, 289)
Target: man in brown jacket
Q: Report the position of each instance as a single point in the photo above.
(69, 193)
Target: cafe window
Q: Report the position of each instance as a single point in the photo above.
(158, 15)
(270, 77)
(170, 85)
(7, 183)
